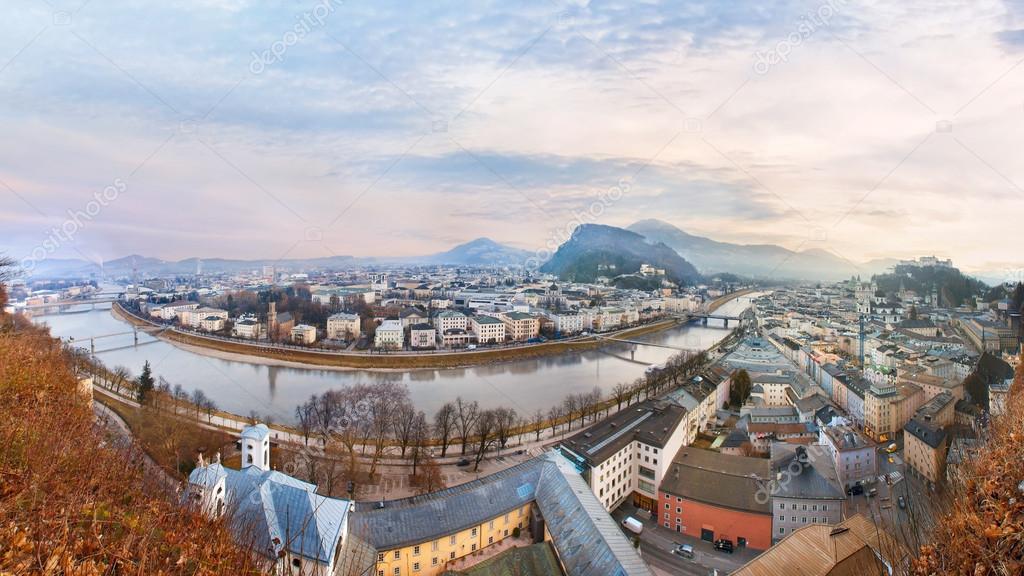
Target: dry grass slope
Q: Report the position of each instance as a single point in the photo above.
(70, 503)
(983, 530)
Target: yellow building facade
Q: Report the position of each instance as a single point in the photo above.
(432, 557)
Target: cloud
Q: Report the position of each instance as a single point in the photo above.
(399, 128)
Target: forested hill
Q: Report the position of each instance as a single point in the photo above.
(953, 287)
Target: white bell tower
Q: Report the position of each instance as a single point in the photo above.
(256, 446)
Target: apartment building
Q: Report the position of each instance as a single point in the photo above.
(389, 335)
(543, 497)
(343, 326)
(520, 327)
(488, 329)
(303, 334)
(853, 454)
(422, 336)
(709, 495)
(449, 320)
(805, 488)
(924, 449)
(567, 322)
(627, 454)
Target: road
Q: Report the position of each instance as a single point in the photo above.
(657, 543)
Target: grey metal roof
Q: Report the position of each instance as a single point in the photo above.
(271, 511)
(815, 476)
(431, 516)
(587, 539)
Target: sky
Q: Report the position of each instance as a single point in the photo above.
(263, 129)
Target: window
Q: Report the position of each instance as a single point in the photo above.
(814, 507)
(805, 506)
(380, 557)
(490, 540)
(782, 518)
(451, 541)
(666, 505)
(434, 546)
(667, 516)
(782, 506)
(506, 532)
(473, 532)
(398, 554)
(506, 518)
(415, 566)
(297, 563)
(451, 555)
(433, 561)
(397, 572)
(380, 572)
(793, 519)
(473, 548)
(824, 507)
(679, 510)
(782, 530)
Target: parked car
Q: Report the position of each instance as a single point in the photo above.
(684, 550)
(892, 448)
(633, 525)
(873, 492)
(462, 462)
(902, 502)
(855, 490)
(724, 545)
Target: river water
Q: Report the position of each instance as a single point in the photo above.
(242, 387)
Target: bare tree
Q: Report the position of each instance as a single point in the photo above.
(504, 421)
(430, 478)
(445, 424)
(403, 421)
(419, 437)
(119, 378)
(569, 406)
(537, 423)
(468, 413)
(554, 415)
(620, 392)
(485, 431)
(305, 415)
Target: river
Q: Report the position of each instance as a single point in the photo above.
(274, 392)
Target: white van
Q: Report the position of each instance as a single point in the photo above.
(633, 525)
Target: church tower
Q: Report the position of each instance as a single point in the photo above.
(256, 446)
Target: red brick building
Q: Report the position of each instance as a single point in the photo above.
(711, 496)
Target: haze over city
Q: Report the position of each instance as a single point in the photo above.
(544, 288)
(269, 129)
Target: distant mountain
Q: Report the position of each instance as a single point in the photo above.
(597, 250)
(756, 260)
(480, 252)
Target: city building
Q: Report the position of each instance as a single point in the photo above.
(488, 329)
(853, 547)
(247, 327)
(283, 518)
(542, 499)
(343, 326)
(852, 454)
(520, 327)
(805, 488)
(627, 454)
(422, 336)
(450, 320)
(390, 335)
(924, 449)
(714, 496)
(303, 334)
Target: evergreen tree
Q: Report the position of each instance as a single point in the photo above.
(740, 389)
(146, 383)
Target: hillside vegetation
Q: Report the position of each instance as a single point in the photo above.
(982, 532)
(953, 287)
(74, 501)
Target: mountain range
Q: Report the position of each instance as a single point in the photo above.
(478, 252)
(597, 250)
(756, 260)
